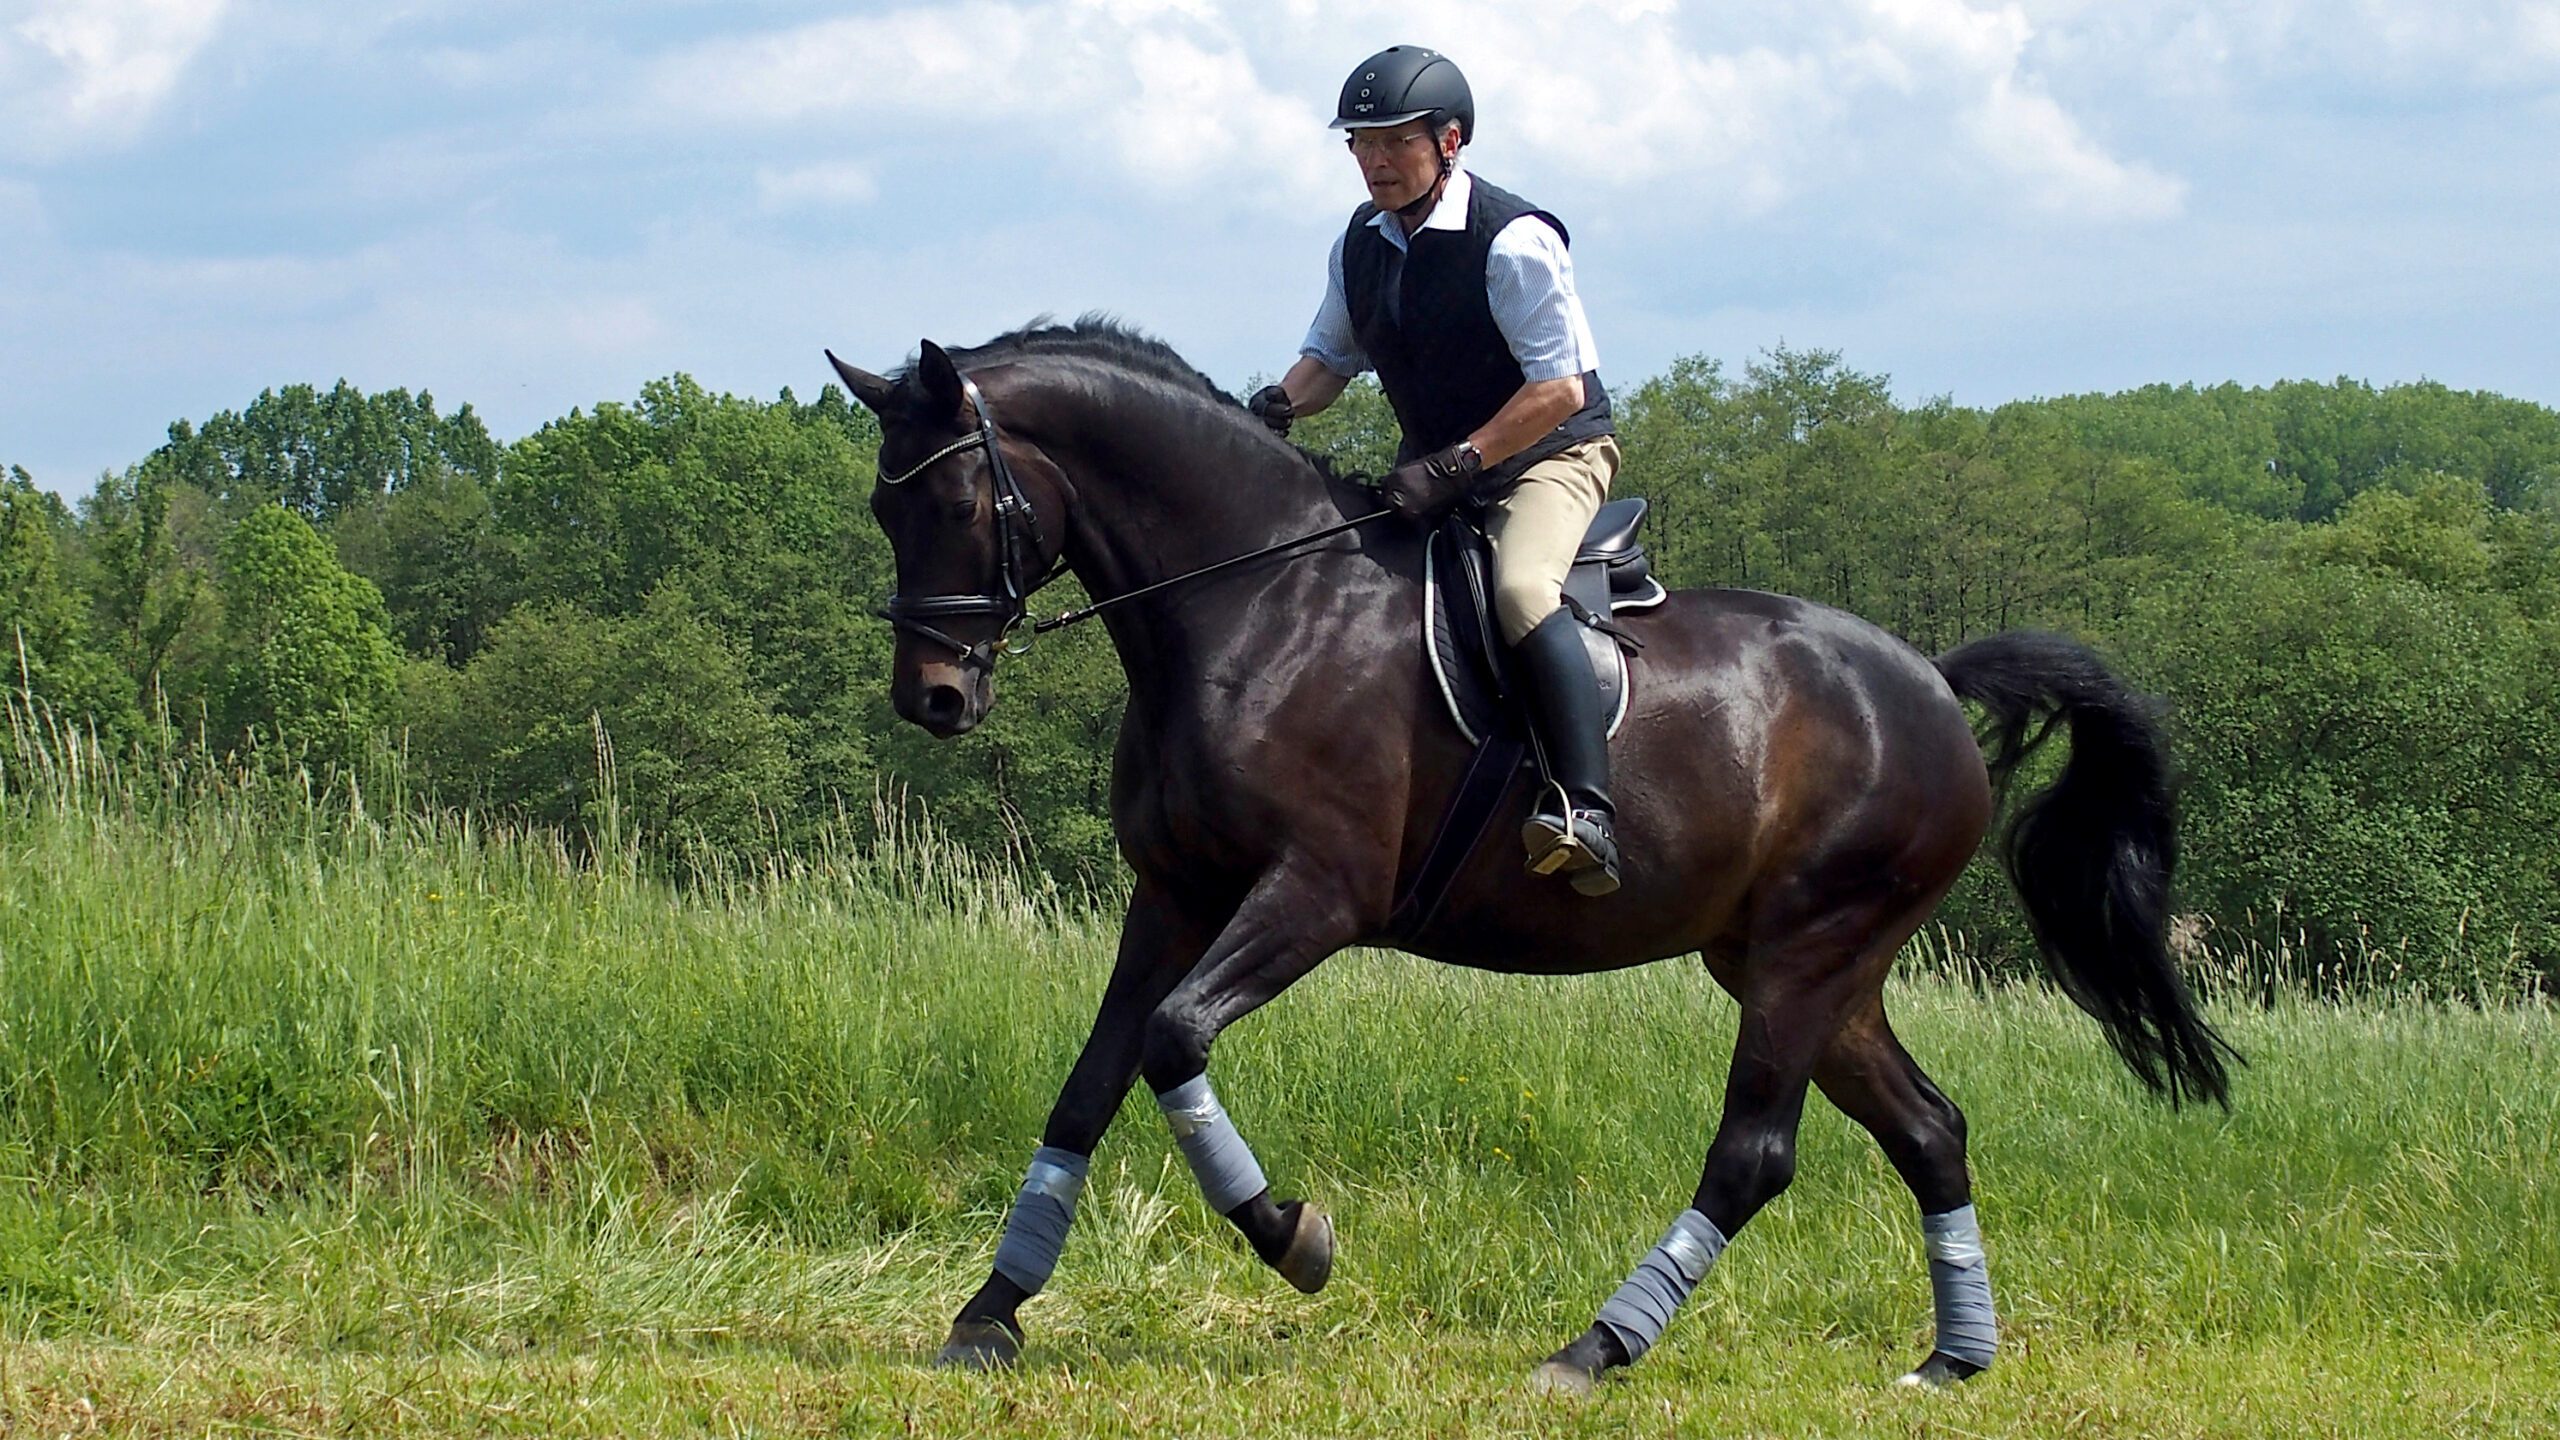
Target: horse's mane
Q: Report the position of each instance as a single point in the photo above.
(1099, 337)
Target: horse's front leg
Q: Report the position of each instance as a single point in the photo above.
(1288, 924)
(1159, 944)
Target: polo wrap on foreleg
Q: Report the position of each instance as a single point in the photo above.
(1662, 1281)
(1960, 1285)
(1036, 1229)
(1220, 1160)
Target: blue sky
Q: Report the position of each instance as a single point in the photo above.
(537, 207)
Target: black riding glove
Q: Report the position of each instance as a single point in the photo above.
(1271, 406)
(1421, 489)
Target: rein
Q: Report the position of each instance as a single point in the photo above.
(1061, 621)
(1014, 517)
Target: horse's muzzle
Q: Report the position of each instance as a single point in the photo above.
(946, 700)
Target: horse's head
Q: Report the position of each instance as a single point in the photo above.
(975, 518)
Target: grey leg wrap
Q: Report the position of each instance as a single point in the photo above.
(1661, 1282)
(1960, 1282)
(1224, 1164)
(1036, 1230)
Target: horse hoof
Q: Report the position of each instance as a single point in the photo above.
(1940, 1371)
(1308, 1262)
(979, 1345)
(1558, 1377)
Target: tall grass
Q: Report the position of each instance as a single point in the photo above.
(278, 1063)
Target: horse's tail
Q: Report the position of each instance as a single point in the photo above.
(2092, 854)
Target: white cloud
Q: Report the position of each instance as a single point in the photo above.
(1629, 95)
(821, 186)
(1163, 87)
(1974, 60)
(85, 72)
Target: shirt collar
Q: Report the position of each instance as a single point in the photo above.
(1449, 214)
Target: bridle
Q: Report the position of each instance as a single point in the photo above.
(1015, 523)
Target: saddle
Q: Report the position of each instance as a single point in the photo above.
(1610, 577)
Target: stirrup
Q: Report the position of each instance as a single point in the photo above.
(1580, 849)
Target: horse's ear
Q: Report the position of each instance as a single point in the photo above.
(870, 389)
(941, 380)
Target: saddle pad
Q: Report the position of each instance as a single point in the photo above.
(1459, 636)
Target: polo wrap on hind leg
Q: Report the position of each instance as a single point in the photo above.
(1960, 1284)
(1036, 1229)
(1644, 1305)
(1220, 1160)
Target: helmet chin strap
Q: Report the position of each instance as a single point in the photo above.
(1431, 195)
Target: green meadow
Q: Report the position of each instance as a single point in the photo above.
(320, 1117)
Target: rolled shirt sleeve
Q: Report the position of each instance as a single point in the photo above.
(1330, 340)
(1528, 281)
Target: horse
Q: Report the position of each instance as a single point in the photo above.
(1796, 791)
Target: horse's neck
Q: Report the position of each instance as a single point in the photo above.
(1162, 491)
(1157, 499)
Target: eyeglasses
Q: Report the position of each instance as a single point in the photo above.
(1368, 144)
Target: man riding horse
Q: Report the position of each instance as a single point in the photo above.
(1803, 787)
(1460, 295)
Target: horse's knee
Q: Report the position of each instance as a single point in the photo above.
(1175, 1045)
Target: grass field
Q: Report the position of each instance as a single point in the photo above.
(319, 1124)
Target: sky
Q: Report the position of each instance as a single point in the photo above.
(534, 208)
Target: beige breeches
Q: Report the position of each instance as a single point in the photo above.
(1536, 528)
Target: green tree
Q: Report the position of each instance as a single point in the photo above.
(145, 555)
(1357, 432)
(2368, 761)
(307, 658)
(694, 755)
(446, 569)
(322, 454)
(609, 504)
(43, 623)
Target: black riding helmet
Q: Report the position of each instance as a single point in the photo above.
(1406, 82)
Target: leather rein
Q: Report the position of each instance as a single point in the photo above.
(1016, 522)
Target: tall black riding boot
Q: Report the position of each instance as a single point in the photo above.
(1573, 730)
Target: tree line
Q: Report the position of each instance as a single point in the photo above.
(657, 615)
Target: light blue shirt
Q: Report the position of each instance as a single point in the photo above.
(1528, 283)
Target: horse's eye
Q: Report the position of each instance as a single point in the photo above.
(965, 509)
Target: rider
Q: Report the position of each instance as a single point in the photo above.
(1460, 295)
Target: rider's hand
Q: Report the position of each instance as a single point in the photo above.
(1421, 489)
(1270, 405)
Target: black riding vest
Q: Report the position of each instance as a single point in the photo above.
(1441, 359)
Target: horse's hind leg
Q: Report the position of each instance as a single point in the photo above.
(1875, 1082)
(1792, 1005)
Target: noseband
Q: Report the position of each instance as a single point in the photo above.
(1015, 525)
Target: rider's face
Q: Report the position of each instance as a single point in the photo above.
(1398, 162)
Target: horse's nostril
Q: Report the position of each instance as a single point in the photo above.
(944, 705)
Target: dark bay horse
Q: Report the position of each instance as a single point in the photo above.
(1797, 790)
